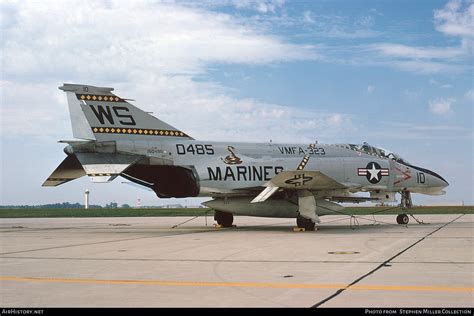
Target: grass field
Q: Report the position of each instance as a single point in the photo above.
(102, 212)
(415, 210)
(120, 212)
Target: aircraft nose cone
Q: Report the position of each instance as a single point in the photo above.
(445, 183)
(438, 181)
(441, 182)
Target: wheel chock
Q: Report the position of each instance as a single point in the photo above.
(298, 229)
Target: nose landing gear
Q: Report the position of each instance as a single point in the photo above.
(403, 219)
(406, 202)
(407, 205)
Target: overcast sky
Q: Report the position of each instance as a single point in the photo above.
(397, 74)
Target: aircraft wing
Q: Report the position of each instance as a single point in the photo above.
(304, 180)
(298, 180)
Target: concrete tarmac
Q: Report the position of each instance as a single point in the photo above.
(144, 262)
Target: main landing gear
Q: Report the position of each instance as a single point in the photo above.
(306, 223)
(307, 215)
(406, 205)
(223, 218)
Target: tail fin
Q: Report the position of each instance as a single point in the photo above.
(98, 114)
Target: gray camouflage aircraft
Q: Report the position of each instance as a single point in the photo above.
(254, 179)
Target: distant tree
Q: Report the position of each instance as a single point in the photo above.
(125, 206)
(111, 205)
(62, 205)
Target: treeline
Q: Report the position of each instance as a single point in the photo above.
(63, 205)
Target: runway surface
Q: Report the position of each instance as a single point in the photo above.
(144, 262)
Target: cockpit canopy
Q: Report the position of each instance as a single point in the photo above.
(378, 151)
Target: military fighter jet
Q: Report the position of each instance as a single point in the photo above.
(302, 181)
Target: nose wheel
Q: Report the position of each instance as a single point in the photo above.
(403, 219)
(406, 204)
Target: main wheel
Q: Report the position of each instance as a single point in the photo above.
(224, 219)
(305, 223)
(403, 219)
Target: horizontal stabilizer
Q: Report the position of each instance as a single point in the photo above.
(304, 180)
(103, 168)
(68, 170)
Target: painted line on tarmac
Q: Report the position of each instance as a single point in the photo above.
(177, 233)
(403, 288)
(354, 283)
(232, 260)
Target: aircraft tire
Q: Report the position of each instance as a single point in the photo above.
(403, 219)
(305, 223)
(223, 218)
